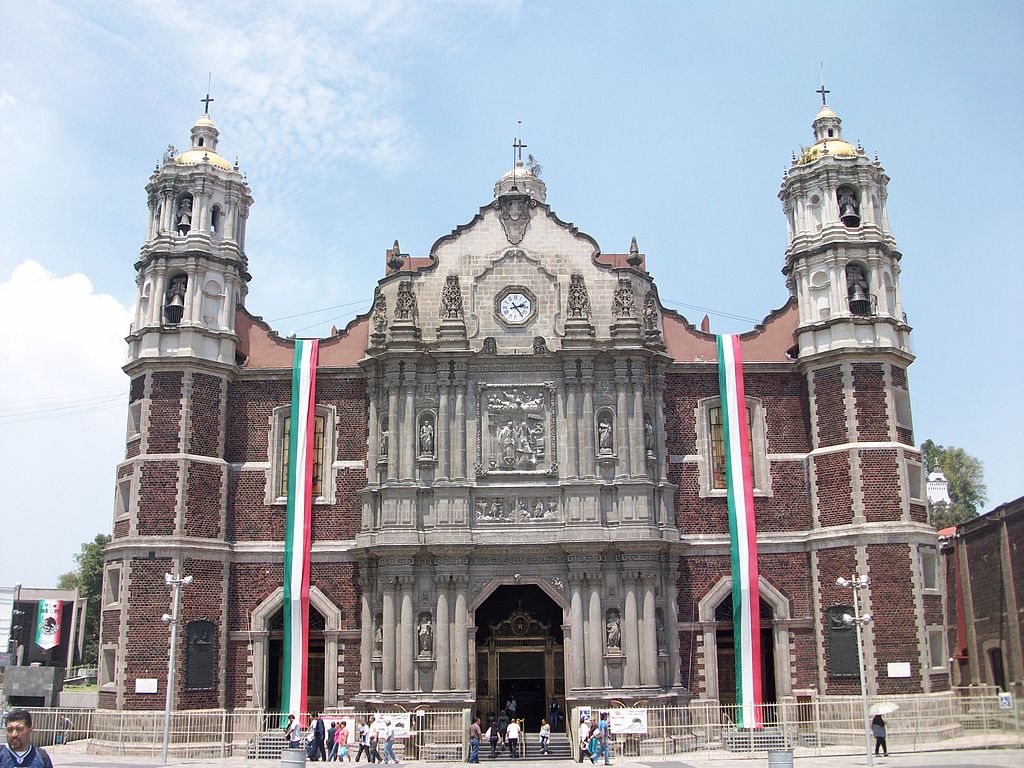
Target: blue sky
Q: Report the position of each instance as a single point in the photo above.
(358, 123)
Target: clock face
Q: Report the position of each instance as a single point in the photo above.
(516, 307)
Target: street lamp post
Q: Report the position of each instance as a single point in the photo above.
(175, 583)
(857, 583)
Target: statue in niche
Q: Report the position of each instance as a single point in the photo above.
(427, 438)
(623, 303)
(378, 636)
(425, 635)
(490, 346)
(614, 627)
(604, 435)
(659, 631)
(184, 215)
(649, 434)
(379, 318)
(514, 215)
(579, 299)
(405, 302)
(451, 299)
(651, 311)
(384, 439)
(540, 346)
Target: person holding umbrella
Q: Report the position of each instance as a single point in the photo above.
(878, 731)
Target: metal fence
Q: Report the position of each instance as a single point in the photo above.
(820, 726)
(702, 730)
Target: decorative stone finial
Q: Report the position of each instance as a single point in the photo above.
(634, 253)
(395, 259)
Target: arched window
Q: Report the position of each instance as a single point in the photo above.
(216, 220)
(174, 302)
(213, 302)
(183, 215)
(849, 206)
(711, 444)
(820, 299)
(324, 421)
(716, 433)
(858, 291)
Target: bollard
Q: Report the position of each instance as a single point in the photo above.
(293, 757)
(780, 758)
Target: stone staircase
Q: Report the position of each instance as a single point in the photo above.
(558, 747)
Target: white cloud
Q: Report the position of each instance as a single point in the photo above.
(6, 100)
(62, 403)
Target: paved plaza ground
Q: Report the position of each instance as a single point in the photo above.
(74, 755)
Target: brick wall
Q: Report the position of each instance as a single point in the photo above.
(250, 407)
(869, 402)
(919, 513)
(202, 599)
(898, 376)
(202, 500)
(880, 485)
(158, 498)
(147, 600)
(787, 414)
(204, 427)
(165, 412)
(830, 403)
(833, 486)
(895, 624)
(682, 391)
(833, 563)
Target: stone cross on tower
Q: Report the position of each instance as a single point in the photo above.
(208, 99)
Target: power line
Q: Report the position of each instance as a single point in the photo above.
(711, 311)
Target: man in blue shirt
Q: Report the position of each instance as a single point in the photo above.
(19, 750)
(604, 733)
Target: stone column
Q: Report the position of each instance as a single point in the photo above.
(672, 634)
(443, 417)
(459, 431)
(460, 653)
(156, 299)
(393, 451)
(408, 631)
(621, 425)
(578, 647)
(588, 456)
(595, 636)
(167, 214)
(193, 296)
(373, 433)
(660, 438)
(443, 678)
(388, 631)
(408, 432)
(638, 445)
(231, 206)
(366, 638)
(572, 447)
(630, 635)
(649, 637)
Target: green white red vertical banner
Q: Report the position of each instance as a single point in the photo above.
(742, 532)
(48, 624)
(297, 532)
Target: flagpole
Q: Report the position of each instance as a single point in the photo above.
(175, 583)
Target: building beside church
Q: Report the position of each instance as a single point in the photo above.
(519, 469)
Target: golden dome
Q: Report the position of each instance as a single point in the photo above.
(195, 156)
(836, 147)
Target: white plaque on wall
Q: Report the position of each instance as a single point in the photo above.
(145, 685)
(899, 669)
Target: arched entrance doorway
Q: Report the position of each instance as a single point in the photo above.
(520, 653)
(725, 650)
(314, 663)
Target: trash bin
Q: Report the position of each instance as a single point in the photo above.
(292, 757)
(780, 758)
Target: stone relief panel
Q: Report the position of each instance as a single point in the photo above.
(516, 429)
(516, 509)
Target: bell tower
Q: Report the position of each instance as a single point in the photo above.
(842, 264)
(192, 270)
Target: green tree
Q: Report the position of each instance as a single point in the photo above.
(87, 578)
(966, 476)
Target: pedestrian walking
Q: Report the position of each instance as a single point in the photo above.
(364, 742)
(545, 737)
(492, 737)
(512, 736)
(474, 741)
(878, 731)
(389, 741)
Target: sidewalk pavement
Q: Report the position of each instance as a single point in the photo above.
(74, 756)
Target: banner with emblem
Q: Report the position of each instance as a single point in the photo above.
(48, 624)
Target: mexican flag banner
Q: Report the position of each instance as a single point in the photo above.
(742, 532)
(297, 530)
(48, 624)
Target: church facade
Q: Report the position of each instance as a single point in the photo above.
(519, 475)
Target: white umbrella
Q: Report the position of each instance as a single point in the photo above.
(882, 708)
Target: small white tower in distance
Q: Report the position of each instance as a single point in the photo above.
(192, 271)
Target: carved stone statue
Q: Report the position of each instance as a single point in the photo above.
(378, 636)
(648, 434)
(507, 444)
(425, 634)
(659, 631)
(514, 215)
(651, 311)
(379, 316)
(384, 439)
(624, 304)
(540, 346)
(451, 299)
(405, 302)
(604, 435)
(614, 630)
(490, 346)
(184, 215)
(579, 299)
(427, 438)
